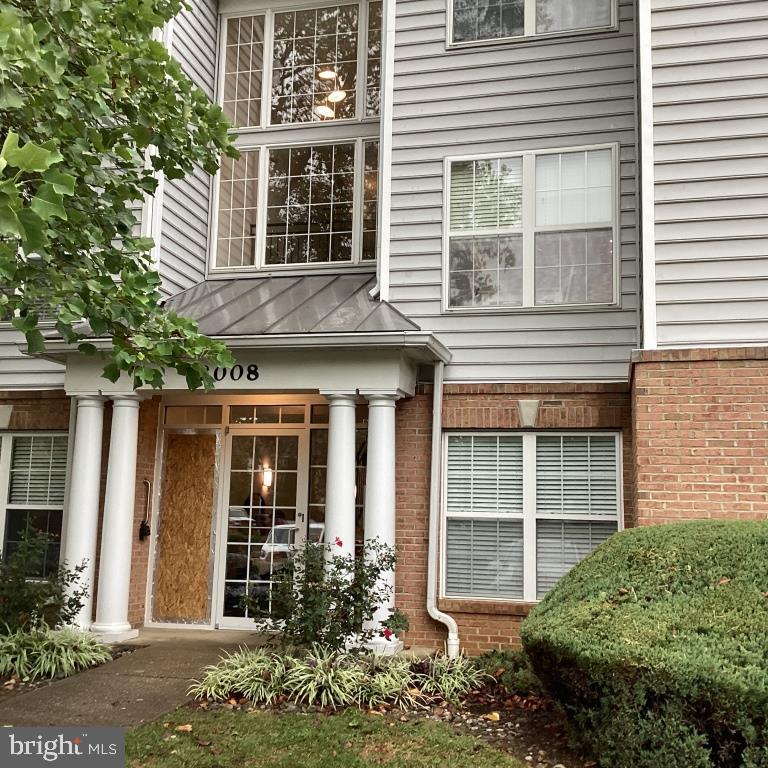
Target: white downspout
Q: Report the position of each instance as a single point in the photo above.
(452, 643)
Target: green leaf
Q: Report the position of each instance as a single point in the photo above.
(47, 203)
(31, 157)
(111, 372)
(87, 348)
(35, 237)
(63, 183)
(98, 73)
(10, 226)
(35, 341)
(10, 98)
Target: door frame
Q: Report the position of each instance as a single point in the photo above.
(302, 432)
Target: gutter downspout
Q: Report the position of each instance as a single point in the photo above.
(452, 643)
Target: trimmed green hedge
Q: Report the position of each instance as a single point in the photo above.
(656, 647)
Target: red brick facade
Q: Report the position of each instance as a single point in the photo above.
(483, 624)
(695, 444)
(701, 434)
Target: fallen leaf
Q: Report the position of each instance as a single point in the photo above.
(186, 728)
(203, 743)
(494, 717)
(723, 581)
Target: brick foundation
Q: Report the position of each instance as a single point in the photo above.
(701, 434)
(484, 624)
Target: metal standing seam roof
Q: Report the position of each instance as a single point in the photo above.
(302, 304)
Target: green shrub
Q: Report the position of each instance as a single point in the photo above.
(656, 646)
(49, 653)
(320, 597)
(31, 599)
(449, 679)
(512, 671)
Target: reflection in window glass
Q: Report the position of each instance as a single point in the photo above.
(373, 72)
(236, 231)
(563, 15)
(314, 64)
(310, 197)
(486, 271)
(370, 199)
(244, 65)
(487, 19)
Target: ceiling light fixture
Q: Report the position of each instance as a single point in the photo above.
(336, 96)
(324, 110)
(326, 74)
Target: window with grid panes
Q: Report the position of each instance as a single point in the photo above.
(32, 482)
(315, 200)
(475, 20)
(504, 540)
(532, 230)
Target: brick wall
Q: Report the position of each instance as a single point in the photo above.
(37, 410)
(701, 434)
(482, 624)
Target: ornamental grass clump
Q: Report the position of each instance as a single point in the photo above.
(329, 678)
(656, 647)
(49, 653)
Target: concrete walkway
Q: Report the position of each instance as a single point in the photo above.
(136, 688)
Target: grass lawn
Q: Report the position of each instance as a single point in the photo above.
(352, 739)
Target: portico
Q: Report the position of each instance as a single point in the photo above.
(338, 390)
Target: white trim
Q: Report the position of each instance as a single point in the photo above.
(530, 228)
(6, 452)
(529, 33)
(388, 17)
(529, 515)
(647, 174)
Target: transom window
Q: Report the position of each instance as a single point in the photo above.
(484, 20)
(532, 230)
(32, 481)
(522, 509)
(295, 83)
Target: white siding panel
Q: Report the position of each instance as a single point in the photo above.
(18, 371)
(510, 97)
(184, 234)
(711, 165)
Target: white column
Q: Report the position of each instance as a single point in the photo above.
(82, 518)
(117, 528)
(340, 477)
(380, 478)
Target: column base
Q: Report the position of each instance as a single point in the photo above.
(382, 647)
(114, 633)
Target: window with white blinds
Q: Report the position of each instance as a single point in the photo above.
(507, 540)
(532, 230)
(33, 470)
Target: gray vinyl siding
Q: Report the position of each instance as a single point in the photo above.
(18, 371)
(710, 94)
(508, 97)
(184, 228)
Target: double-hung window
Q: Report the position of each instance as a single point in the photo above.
(538, 229)
(493, 20)
(301, 86)
(522, 509)
(33, 469)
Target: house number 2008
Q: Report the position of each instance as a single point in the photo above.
(237, 372)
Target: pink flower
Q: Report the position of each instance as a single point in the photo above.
(387, 633)
(338, 542)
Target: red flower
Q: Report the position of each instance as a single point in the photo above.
(387, 633)
(338, 542)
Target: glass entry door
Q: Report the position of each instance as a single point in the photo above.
(264, 514)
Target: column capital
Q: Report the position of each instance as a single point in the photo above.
(339, 396)
(375, 396)
(126, 400)
(89, 401)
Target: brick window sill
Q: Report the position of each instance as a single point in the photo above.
(487, 607)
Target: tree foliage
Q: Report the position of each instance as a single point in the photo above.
(92, 107)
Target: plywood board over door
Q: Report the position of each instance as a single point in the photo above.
(184, 536)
